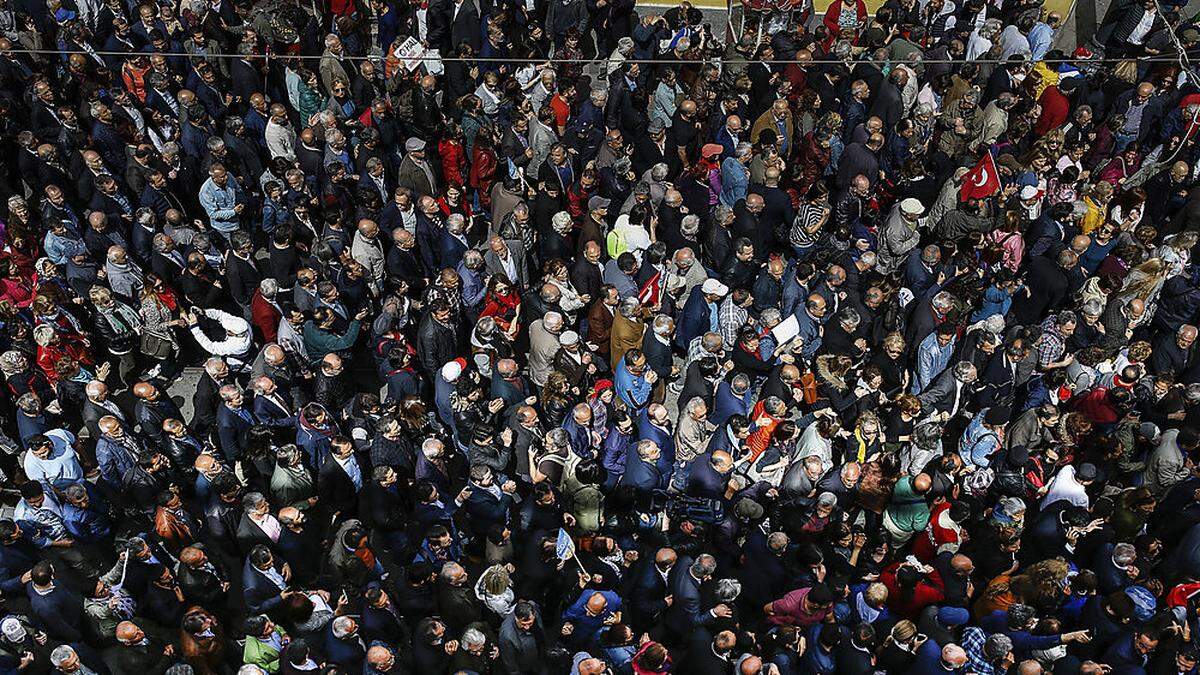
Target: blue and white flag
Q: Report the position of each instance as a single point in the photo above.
(564, 547)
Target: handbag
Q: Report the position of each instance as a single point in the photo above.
(156, 347)
(1126, 71)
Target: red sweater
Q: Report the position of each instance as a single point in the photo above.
(929, 591)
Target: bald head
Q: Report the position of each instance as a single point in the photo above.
(379, 657)
(596, 604)
(921, 483)
(592, 666)
(109, 425)
(127, 631)
(751, 665)
(953, 655)
(288, 515)
(205, 463)
(1137, 307)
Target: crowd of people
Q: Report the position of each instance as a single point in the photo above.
(545, 337)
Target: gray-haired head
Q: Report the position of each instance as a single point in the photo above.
(473, 637)
(964, 371)
(727, 590)
(943, 301)
(62, 655)
(343, 626)
(663, 325)
(704, 566)
(997, 647)
(1124, 554)
(629, 307)
(690, 225)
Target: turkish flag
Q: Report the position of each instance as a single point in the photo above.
(981, 181)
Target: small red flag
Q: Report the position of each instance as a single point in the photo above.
(981, 181)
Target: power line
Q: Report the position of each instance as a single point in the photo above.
(598, 59)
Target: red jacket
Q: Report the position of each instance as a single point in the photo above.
(454, 161)
(483, 172)
(834, 12)
(1055, 110)
(929, 591)
(264, 316)
(926, 544)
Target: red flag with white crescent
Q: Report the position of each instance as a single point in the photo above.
(651, 291)
(981, 181)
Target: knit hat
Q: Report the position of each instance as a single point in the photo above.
(951, 617)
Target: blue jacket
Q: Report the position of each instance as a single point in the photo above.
(929, 660)
(662, 438)
(315, 444)
(735, 181)
(633, 390)
(347, 654)
(704, 481)
(86, 525)
(484, 510)
(810, 331)
(16, 559)
(616, 450)
(658, 355)
(695, 319)
(232, 429)
(587, 627)
(266, 412)
(59, 612)
(219, 203)
(726, 404)
(642, 476)
(260, 593)
(686, 612)
(450, 250)
(579, 436)
(114, 460)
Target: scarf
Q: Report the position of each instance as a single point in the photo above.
(365, 555)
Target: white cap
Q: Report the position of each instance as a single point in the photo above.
(912, 207)
(1029, 192)
(568, 337)
(451, 371)
(714, 287)
(12, 629)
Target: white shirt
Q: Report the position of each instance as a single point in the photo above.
(62, 464)
(1065, 487)
(510, 267)
(1142, 28)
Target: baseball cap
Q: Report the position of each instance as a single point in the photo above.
(714, 287)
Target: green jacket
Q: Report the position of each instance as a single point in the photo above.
(908, 510)
(262, 654)
(319, 342)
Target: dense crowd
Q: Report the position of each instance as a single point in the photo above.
(561, 337)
